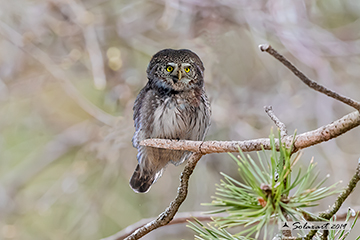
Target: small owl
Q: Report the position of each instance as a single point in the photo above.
(172, 105)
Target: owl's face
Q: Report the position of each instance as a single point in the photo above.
(175, 70)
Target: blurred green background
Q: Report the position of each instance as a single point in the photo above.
(69, 74)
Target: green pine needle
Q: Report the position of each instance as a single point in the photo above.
(263, 196)
(340, 234)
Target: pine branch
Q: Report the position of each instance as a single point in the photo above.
(339, 201)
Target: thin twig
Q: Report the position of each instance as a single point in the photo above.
(283, 133)
(276, 120)
(339, 201)
(303, 140)
(312, 84)
(165, 217)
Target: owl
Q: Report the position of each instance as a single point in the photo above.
(172, 105)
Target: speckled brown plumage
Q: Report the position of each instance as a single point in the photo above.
(172, 105)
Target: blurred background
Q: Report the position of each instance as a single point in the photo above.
(70, 71)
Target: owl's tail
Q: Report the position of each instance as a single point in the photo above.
(142, 180)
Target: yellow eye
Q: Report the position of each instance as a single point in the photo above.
(187, 69)
(169, 68)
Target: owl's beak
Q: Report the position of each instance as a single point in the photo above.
(179, 75)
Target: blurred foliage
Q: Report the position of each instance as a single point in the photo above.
(69, 68)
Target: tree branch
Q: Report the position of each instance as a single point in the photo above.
(184, 217)
(165, 217)
(276, 120)
(339, 201)
(283, 133)
(180, 218)
(303, 140)
(199, 148)
(312, 84)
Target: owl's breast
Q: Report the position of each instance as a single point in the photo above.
(171, 120)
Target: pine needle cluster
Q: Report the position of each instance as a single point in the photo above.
(269, 193)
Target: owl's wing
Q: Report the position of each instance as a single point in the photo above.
(199, 120)
(204, 118)
(138, 105)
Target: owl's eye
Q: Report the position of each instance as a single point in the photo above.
(169, 68)
(187, 69)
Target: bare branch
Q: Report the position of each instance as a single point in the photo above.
(278, 123)
(182, 217)
(208, 146)
(165, 217)
(312, 84)
(303, 140)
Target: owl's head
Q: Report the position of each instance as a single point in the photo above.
(176, 70)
